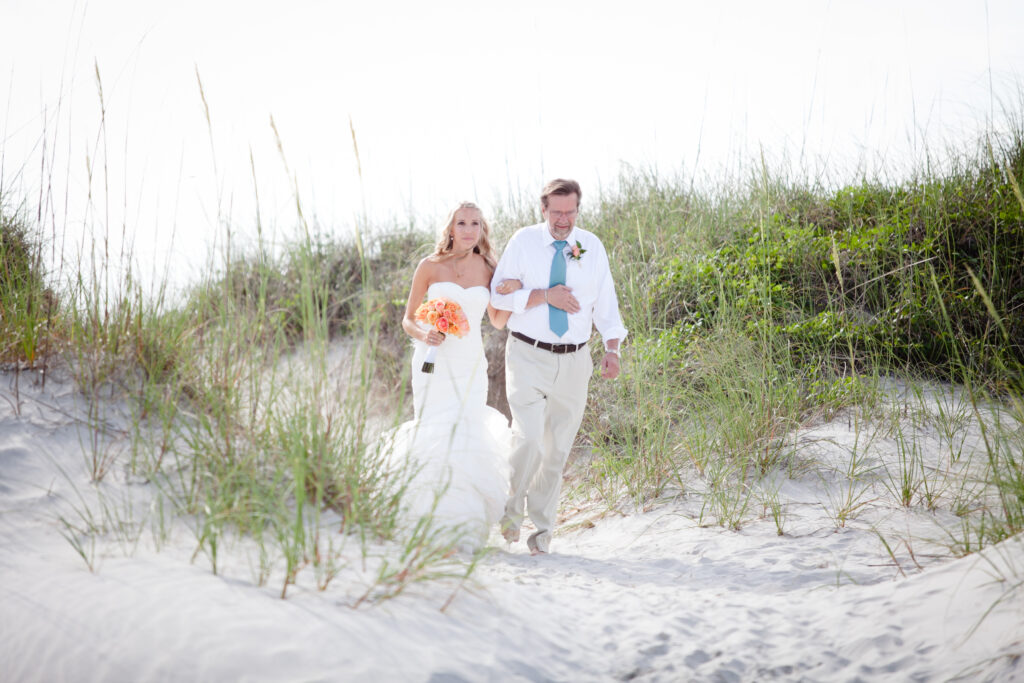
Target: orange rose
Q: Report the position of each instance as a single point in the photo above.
(444, 316)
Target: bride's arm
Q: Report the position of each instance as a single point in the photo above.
(498, 317)
(420, 281)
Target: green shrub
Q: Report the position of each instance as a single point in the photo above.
(322, 282)
(27, 304)
(871, 276)
(755, 307)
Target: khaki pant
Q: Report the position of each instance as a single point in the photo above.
(547, 393)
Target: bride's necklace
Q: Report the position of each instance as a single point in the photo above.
(455, 264)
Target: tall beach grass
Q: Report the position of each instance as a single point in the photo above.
(758, 306)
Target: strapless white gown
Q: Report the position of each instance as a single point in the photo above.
(457, 446)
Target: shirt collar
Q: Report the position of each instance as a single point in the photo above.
(548, 240)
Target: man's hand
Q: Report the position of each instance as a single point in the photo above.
(561, 296)
(508, 286)
(610, 365)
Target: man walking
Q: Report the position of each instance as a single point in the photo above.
(567, 290)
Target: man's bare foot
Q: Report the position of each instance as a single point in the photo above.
(509, 531)
(534, 546)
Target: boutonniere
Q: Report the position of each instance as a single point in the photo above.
(576, 251)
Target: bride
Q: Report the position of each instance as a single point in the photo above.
(456, 447)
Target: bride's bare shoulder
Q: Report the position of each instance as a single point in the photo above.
(483, 264)
(428, 271)
(430, 264)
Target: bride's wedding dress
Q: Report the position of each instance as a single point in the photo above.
(457, 446)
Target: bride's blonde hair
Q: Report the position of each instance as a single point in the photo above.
(483, 245)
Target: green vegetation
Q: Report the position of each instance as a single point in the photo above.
(239, 423)
(27, 305)
(874, 276)
(756, 307)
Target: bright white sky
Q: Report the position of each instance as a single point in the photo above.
(467, 99)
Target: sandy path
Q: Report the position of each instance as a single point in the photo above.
(648, 596)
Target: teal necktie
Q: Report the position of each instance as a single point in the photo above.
(557, 318)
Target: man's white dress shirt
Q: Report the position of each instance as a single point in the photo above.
(527, 257)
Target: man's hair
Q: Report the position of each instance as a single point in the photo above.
(560, 186)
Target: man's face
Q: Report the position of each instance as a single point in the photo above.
(561, 214)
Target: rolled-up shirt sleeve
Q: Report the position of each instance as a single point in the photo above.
(606, 306)
(515, 302)
(509, 268)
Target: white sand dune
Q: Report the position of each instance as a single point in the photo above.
(648, 596)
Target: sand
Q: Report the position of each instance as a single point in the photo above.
(652, 595)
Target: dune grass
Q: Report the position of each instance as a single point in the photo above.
(28, 305)
(257, 432)
(762, 305)
(237, 419)
(757, 306)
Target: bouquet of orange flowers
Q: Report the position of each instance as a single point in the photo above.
(445, 316)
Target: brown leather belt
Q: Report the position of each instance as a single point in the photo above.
(553, 348)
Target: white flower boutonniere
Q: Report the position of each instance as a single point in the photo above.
(577, 251)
